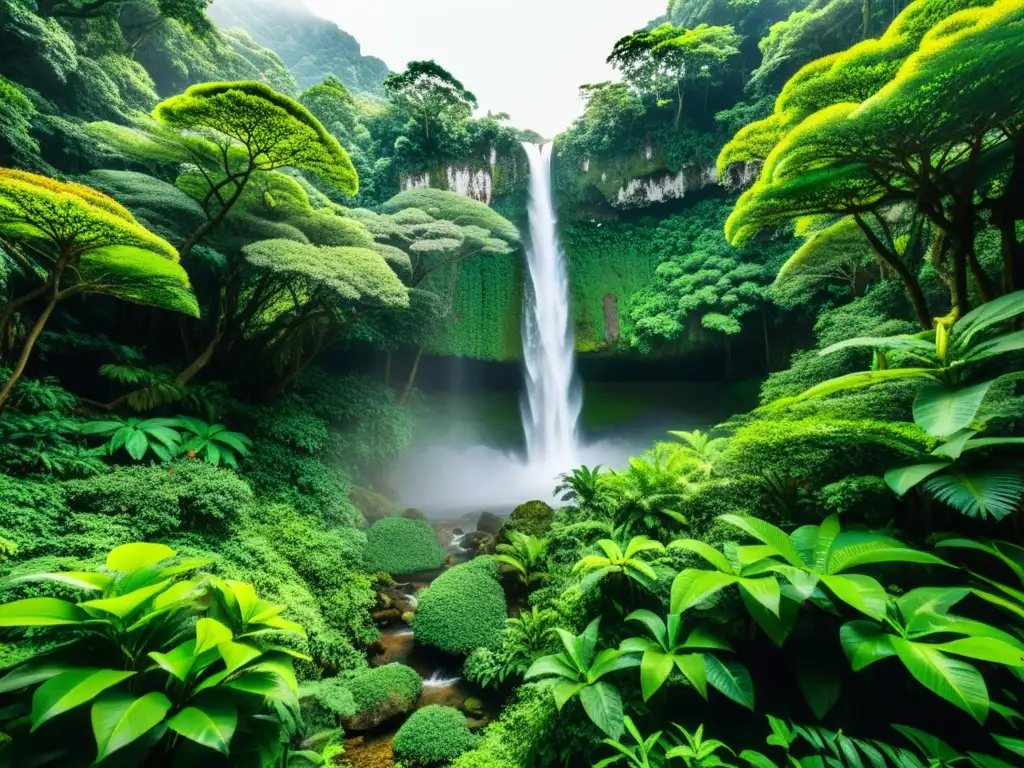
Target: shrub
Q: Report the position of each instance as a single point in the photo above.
(401, 545)
(185, 495)
(383, 692)
(463, 608)
(532, 518)
(434, 735)
(325, 703)
(522, 736)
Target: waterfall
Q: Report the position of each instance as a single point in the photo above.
(552, 406)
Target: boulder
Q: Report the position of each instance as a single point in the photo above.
(478, 541)
(488, 522)
(532, 518)
(414, 514)
(370, 503)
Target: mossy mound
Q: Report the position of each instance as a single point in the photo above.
(463, 609)
(382, 693)
(400, 545)
(325, 703)
(433, 736)
(532, 518)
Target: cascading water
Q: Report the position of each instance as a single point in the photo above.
(552, 406)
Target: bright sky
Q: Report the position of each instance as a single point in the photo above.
(524, 57)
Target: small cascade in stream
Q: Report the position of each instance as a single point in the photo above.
(551, 409)
(440, 678)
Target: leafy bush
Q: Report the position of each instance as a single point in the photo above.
(153, 644)
(532, 518)
(523, 734)
(382, 692)
(401, 545)
(464, 608)
(187, 495)
(325, 703)
(434, 735)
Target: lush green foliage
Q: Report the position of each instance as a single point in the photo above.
(464, 608)
(398, 545)
(373, 689)
(433, 736)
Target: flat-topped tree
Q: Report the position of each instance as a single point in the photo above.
(303, 298)
(430, 93)
(82, 242)
(255, 129)
(943, 129)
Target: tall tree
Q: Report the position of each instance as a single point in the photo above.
(430, 93)
(83, 242)
(670, 58)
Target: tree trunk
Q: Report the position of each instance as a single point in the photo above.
(866, 16)
(412, 377)
(12, 306)
(679, 106)
(199, 363)
(767, 349)
(891, 260)
(53, 284)
(210, 224)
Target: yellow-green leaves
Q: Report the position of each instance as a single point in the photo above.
(41, 612)
(129, 558)
(71, 689)
(275, 130)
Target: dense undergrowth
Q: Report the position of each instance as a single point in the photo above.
(211, 327)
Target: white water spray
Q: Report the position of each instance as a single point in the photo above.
(552, 406)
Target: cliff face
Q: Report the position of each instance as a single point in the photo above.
(310, 47)
(494, 175)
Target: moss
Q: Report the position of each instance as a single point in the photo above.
(402, 545)
(325, 703)
(433, 736)
(463, 609)
(532, 518)
(381, 693)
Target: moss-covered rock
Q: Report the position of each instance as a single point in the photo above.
(382, 693)
(373, 505)
(488, 522)
(414, 514)
(463, 608)
(325, 703)
(400, 545)
(532, 518)
(433, 736)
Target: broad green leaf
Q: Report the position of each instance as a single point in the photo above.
(1013, 744)
(30, 673)
(124, 605)
(768, 534)
(41, 612)
(178, 661)
(864, 643)
(655, 626)
(266, 684)
(859, 381)
(655, 667)
(709, 553)
(827, 533)
(704, 637)
(776, 627)
(692, 586)
(551, 665)
(210, 725)
(819, 681)
(129, 558)
(862, 592)
(765, 591)
(902, 479)
(118, 719)
(955, 444)
(209, 634)
(90, 580)
(563, 690)
(985, 649)
(756, 759)
(985, 316)
(603, 705)
(942, 411)
(611, 660)
(926, 600)
(692, 667)
(979, 493)
(137, 444)
(956, 681)
(71, 689)
(237, 655)
(640, 544)
(880, 551)
(730, 678)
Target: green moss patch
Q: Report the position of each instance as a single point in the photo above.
(463, 609)
(433, 736)
(402, 545)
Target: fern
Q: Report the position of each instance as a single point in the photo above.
(980, 493)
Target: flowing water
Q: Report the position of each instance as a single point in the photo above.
(551, 407)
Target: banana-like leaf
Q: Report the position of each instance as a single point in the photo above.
(41, 612)
(985, 316)
(859, 381)
(942, 411)
(956, 681)
(902, 479)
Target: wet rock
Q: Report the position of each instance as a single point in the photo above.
(414, 514)
(387, 616)
(473, 707)
(457, 532)
(373, 505)
(396, 644)
(478, 542)
(488, 522)
(370, 752)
